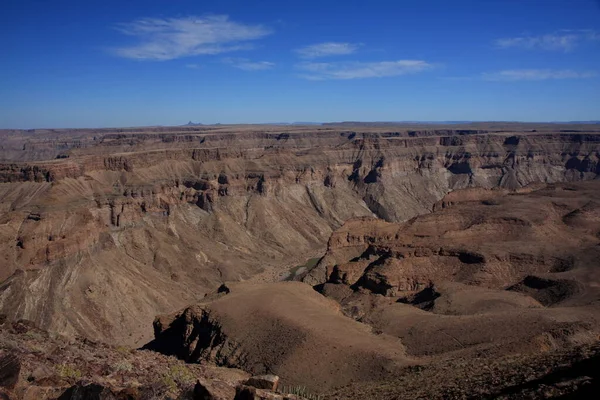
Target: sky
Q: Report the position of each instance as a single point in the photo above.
(137, 63)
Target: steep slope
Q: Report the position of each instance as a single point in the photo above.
(565, 374)
(120, 226)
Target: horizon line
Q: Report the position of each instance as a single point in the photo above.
(321, 123)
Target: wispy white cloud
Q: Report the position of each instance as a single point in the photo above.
(359, 70)
(170, 38)
(192, 66)
(536, 75)
(593, 35)
(327, 49)
(564, 40)
(247, 65)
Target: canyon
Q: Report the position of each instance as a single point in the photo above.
(435, 242)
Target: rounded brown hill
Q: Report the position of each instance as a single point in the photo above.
(284, 328)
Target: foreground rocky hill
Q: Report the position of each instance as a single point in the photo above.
(36, 365)
(102, 230)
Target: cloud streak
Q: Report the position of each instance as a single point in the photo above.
(327, 49)
(361, 70)
(247, 65)
(171, 38)
(536, 75)
(566, 40)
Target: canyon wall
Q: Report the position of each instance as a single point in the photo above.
(101, 231)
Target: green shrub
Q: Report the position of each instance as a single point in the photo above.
(170, 384)
(177, 377)
(68, 372)
(181, 374)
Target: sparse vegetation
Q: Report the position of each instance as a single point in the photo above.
(123, 350)
(123, 366)
(170, 384)
(181, 374)
(177, 377)
(33, 335)
(300, 391)
(67, 371)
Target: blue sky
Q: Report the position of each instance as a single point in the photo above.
(133, 63)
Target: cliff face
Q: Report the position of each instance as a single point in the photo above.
(119, 227)
(493, 238)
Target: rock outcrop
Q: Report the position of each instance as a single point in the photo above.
(269, 382)
(494, 271)
(37, 365)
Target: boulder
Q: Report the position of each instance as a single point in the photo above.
(268, 382)
(10, 367)
(213, 390)
(245, 393)
(91, 392)
(94, 391)
(201, 392)
(40, 374)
